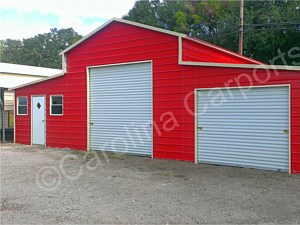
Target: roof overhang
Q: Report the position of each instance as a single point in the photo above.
(37, 81)
(25, 70)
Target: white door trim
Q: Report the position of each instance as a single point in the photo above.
(88, 96)
(222, 88)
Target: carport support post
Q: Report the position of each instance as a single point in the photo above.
(2, 112)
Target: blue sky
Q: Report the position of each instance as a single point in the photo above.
(26, 18)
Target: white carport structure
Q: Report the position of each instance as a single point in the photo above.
(12, 75)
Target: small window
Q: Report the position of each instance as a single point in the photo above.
(22, 105)
(56, 105)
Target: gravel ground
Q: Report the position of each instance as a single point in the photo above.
(60, 186)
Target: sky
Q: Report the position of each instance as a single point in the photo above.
(26, 18)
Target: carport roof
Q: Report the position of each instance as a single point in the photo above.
(9, 68)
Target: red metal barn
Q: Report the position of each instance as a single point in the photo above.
(136, 89)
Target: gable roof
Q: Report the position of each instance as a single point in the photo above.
(9, 68)
(199, 41)
(254, 63)
(125, 22)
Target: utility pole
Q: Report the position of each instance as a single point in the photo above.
(241, 30)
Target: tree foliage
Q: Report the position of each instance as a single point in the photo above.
(41, 50)
(269, 25)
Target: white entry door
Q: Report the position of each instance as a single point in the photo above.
(38, 120)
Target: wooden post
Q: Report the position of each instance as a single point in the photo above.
(241, 30)
(3, 114)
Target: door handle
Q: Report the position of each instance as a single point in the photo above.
(91, 123)
(286, 131)
(199, 128)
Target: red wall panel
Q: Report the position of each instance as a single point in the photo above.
(172, 84)
(196, 52)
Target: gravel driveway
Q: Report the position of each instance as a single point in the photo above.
(60, 186)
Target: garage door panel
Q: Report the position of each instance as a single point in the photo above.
(250, 158)
(247, 163)
(264, 138)
(121, 108)
(213, 107)
(246, 128)
(244, 150)
(229, 103)
(249, 144)
(247, 132)
(221, 123)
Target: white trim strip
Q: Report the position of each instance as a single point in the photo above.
(241, 66)
(290, 131)
(88, 108)
(180, 50)
(196, 125)
(119, 64)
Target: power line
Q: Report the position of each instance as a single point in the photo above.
(272, 24)
(220, 35)
(235, 32)
(278, 28)
(260, 25)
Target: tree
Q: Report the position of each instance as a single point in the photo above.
(11, 51)
(41, 50)
(143, 12)
(269, 25)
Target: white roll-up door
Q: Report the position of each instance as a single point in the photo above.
(243, 127)
(121, 108)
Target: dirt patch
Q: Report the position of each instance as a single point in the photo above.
(61, 186)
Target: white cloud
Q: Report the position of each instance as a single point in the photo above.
(68, 11)
(99, 8)
(14, 30)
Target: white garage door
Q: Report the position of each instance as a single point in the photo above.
(248, 129)
(121, 108)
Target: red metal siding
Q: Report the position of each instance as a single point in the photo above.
(205, 77)
(196, 52)
(119, 43)
(61, 131)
